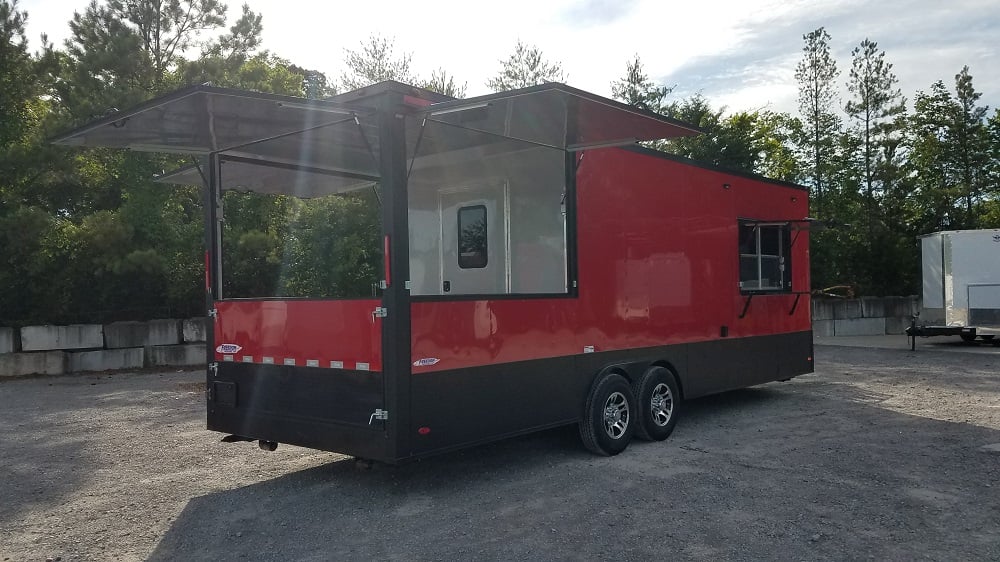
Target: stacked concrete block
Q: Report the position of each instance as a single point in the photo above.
(40, 363)
(176, 355)
(867, 316)
(50, 338)
(822, 315)
(195, 330)
(8, 340)
(119, 335)
(106, 360)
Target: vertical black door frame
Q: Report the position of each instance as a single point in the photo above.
(213, 266)
(396, 293)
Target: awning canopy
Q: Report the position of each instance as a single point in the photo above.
(272, 142)
(244, 174)
(204, 119)
(558, 116)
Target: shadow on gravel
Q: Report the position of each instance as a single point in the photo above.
(774, 471)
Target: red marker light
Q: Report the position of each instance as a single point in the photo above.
(424, 430)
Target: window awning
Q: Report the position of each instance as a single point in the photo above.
(203, 119)
(244, 174)
(558, 116)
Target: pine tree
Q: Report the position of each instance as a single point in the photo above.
(876, 102)
(969, 138)
(816, 73)
(636, 89)
(525, 67)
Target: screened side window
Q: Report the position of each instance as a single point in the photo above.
(765, 252)
(472, 237)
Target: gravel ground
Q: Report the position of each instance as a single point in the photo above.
(881, 454)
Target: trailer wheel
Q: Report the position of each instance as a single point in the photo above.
(609, 416)
(659, 404)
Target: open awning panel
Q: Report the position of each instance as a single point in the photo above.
(558, 116)
(204, 119)
(239, 174)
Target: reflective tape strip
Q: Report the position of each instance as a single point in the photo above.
(292, 361)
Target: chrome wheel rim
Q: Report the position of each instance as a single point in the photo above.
(616, 415)
(661, 405)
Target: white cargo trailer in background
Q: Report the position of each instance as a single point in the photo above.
(961, 284)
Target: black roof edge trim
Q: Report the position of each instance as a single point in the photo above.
(709, 166)
(569, 90)
(182, 93)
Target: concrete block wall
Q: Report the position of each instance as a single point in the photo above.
(56, 350)
(50, 338)
(867, 316)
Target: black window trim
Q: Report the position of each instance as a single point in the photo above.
(486, 241)
(785, 246)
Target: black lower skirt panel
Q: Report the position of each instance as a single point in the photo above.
(330, 409)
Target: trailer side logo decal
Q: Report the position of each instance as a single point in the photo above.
(228, 348)
(426, 362)
(996, 237)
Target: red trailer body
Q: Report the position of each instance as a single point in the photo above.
(537, 268)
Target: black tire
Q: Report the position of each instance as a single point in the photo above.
(967, 337)
(609, 416)
(987, 338)
(658, 401)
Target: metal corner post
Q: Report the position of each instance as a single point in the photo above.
(396, 295)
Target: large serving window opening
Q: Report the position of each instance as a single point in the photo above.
(765, 251)
(487, 214)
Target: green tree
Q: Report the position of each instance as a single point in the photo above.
(375, 62)
(758, 141)
(970, 140)
(815, 74)
(444, 83)
(931, 157)
(636, 89)
(525, 67)
(876, 100)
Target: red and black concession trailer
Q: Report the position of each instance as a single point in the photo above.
(531, 266)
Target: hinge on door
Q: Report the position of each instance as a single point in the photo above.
(380, 312)
(213, 313)
(214, 369)
(379, 414)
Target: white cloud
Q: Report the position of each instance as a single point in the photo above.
(737, 53)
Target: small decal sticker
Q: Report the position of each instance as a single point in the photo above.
(228, 348)
(996, 237)
(426, 362)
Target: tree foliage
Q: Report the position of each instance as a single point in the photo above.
(815, 74)
(86, 236)
(636, 88)
(374, 62)
(525, 67)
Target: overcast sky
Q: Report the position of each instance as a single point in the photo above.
(737, 53)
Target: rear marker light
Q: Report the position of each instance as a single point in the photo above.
(289, 361)
(269, 360)
(336, 364)
(424, 430)
(248, 358)
(312, 363)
